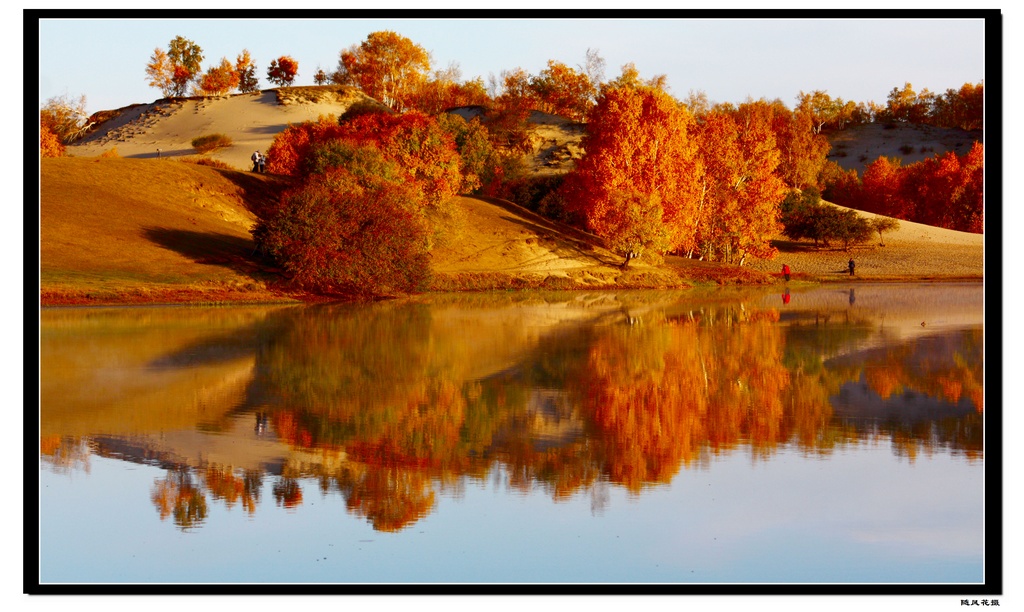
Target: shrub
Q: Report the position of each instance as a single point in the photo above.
(210, 142)
(49, 143)
(364, 107)
(206, 161)
(111, 152)
(341, 234)
(805, 216)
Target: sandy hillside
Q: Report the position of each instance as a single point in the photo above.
(859, 145)
(912, 251)
(498, 243)
(166, 128)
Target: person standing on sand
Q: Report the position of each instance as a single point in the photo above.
(785, 271)
(256, 161)
(851, 266)
(263, 163)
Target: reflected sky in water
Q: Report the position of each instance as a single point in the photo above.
(827, 435)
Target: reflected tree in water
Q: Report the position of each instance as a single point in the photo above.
(178, 496)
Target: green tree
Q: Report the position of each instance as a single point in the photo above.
(882, 225)
(186, 57)
(175, 70)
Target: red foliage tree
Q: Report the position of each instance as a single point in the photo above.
(283, 71)
(219, 80)
(346, 234)
(882, 189)
(638, 143)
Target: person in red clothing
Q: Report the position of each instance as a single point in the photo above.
(785, 271)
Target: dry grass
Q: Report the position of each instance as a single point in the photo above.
(133, 231)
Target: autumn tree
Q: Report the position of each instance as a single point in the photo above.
(425, 151)
(320, 77)
(445, 90)
(882, 189)
(175, 70)
(508, 121)
(819, 106)
(65, 117)
(248, 82)
(803, 153)
(639, 151)
(963, 108)
(49, 144)
(946, 190)
(350, 232)
(635, 225)
(386, 66)
(282, 71)
(630, 77)
(903, 105)
(562, 90)
(218, 80)
(738, 211)
(481, 162)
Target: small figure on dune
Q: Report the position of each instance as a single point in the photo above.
(256, 161)
(851, 266)
(785, 271)
(263, 163)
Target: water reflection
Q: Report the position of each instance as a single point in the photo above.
(390, 405)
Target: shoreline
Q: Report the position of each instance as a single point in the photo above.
(182, 297)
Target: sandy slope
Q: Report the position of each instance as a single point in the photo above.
(166, 128)
(857, 146)
(913, 250)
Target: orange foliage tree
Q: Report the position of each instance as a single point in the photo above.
(562, 90)
(283, 71)
(245, 68)
(739, 210)
(290, 147)
(446, 90)
(418, 144)
(803, 153)
(638, 149)
(49, 144)
(425, 154)
(219, 80)
(387, 66)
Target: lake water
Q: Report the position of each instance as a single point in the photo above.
(831, 435)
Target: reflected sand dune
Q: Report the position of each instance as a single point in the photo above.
(386, 403)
